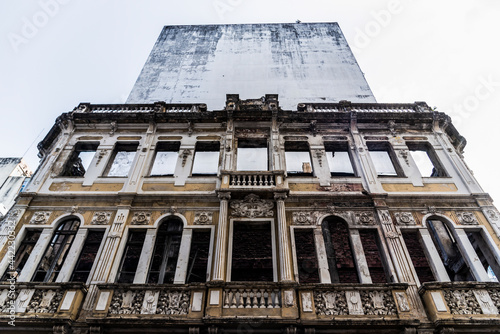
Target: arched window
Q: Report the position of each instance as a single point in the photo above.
(56, 252)
(338, 250)
(448, 250)
(166, 252)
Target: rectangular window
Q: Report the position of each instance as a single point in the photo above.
(87, 256)
(339, 161)
(383, 159)
(131, 256)
(206, 158)
(485, 254)
(22, 254)
(371, 248)
(198, 256)
(121, 160)
(298, 158)
(417, 255)
(166, 157)
(307, 262)
(426, 160)
(252, 155)
(79, 161)
(252, 258)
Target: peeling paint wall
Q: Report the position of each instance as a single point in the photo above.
(302, 62)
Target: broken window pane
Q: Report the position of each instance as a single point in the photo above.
(298, 159)
(166, 157)
(426, 160)
(417, 255)
(166, 252)
(22, 254)
(80, 159)
(206, 158)
(198, 256)
(338, 159)
(307, 262)
(87, 256)
(371, 248)
(131, 256)
(445, 243)
(122, 160)
(252, 155)
(252, 258)
(56, 252)
(339, 252)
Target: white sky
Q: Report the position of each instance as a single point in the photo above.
(443, 52)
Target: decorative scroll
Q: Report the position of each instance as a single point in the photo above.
(402, 300)
(40, 217)
(378, 302)
(305, 218)
(364, 218)
(173, 302)
(330, 303)
(126, 302)
(101, 218)
(168, 302)
(141, 218)
(252, 206)
(493, 214)
(467, 218)
(404, 218)
(203, 218)
(462, 302)
(45, 301)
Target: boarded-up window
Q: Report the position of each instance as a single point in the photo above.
(87, 256)
(339, 252)
(252, 258)
(371, 248)
(417, 255)
(22, 254)
(131, 256)
(307, 262)
(198, 256)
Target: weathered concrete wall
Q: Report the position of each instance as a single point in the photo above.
(13, 172)
(301, 62)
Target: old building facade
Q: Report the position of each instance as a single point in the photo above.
(14, 174)
(356, 217)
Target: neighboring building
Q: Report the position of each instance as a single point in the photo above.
(14, 174)
(338, 217)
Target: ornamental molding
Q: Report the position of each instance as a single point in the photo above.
(467, 218)
(305, 218)
(405, 218)
(492, 214)
(11, 217)
(101, 218)
(40, 217)
(141, 218)
(364, 218)
(203, 218)
(252, 206)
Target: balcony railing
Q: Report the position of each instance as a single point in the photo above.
(159, 107)
(346, 106)
(244, 180)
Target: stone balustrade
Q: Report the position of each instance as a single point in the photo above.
(247, 180)
(252, 298)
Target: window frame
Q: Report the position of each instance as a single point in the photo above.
(339, 146)
(301, 146)
(121, 147)
(164, 146)
(375, 146)
(205, 146)
(252, 142)
(79, 147)
(431, 154)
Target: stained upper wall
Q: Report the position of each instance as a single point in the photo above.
(302, 62)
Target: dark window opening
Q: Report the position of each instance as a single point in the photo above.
(121, 160)
(87, 256)
(426, 160)
(307, 261)
(252, 258)
(298, 158)
(371, 248)
(339, 251)
(22, 254)
(198, 256)
(166, 252)
(414, 245)
(206, 158)
(339, 160)
(166, 156)
(445, 243)
(79, 161)
(55, 254)
(485, 254)
(252, 155)
(384, 160)
(131, 256)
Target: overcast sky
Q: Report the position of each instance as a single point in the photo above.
(55, 54)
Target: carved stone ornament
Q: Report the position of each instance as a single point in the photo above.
(330, 303)
(493, 214)
(378, 303)
(305, 218)
(392, 234)
(101, 218)
(462, 302)
(319, 156)
(402, 300)
(364, 218)
(11, 217)
(467, 218)
(45, 301)
(404, 155)
(40, 217)
(203, 218)
(141, 218)
(167, 302)
(405, 218)
(252, 206)
(185, 154)
(385, 217)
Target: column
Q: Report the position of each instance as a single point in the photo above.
(35, 256)
(359, 256)
(283, 240)
(324, 273)
(432, 254)
(146, 253)
(221, 242)
(470, 256)
(183, 260)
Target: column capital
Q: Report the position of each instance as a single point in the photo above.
(280, 196)
(224, 195)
